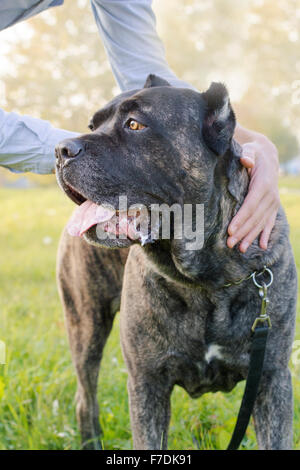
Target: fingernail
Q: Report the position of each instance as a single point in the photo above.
(231, 242)
(244, 247)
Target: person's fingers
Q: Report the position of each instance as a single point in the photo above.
(258, 218)
(248, 155)
(254, 222)
(249, 150)
(258, 212)
(251, 203)
(249, 239)
(253, 234)
(265, 236)
(247, 162)
(264, 221)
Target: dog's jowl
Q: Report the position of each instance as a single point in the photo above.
(179, 325)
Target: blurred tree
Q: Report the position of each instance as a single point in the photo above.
(253, 47)
(60, 71)
(268, 123)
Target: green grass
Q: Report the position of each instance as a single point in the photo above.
(37, 384)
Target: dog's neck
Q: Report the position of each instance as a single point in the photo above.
(213, 265)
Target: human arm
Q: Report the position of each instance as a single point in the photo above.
(134, 49)
(27, 143)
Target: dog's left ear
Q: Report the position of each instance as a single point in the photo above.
(154, 80)
(219, 119)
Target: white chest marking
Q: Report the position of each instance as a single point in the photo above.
(213, 351)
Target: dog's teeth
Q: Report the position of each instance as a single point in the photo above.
(145, 240)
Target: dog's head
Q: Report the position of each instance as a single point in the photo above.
(159, 145)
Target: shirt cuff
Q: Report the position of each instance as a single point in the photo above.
(46, 164)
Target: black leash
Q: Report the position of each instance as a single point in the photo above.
(258, 348)
(260, 330)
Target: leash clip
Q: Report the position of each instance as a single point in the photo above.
(263, 317)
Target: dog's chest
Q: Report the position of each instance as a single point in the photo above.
(213, 371)
(211, 349)
(199, 341)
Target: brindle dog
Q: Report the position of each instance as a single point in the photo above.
(179, 324)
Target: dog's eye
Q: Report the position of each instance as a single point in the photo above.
(135, 125)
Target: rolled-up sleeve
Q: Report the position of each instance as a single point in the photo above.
(128, 31)
(28, 144)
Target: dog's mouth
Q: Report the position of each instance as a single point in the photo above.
(103, 220)
(107, 219)
(74, 195)
(69, 190)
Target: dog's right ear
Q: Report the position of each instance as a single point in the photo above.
(219, 119)
(154, 80)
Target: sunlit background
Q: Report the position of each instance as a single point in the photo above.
(54, 67)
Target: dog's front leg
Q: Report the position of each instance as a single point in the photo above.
(149, 401)
(273, 411)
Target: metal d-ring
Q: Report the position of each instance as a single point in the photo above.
(265, 270)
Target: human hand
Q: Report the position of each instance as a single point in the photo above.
(258, 212)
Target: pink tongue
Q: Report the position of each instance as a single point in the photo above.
(87, 215)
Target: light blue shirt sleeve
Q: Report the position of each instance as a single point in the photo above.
(13, 11)
(27, 144)
(128, 31)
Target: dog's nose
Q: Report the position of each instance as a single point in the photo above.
(68, 148)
